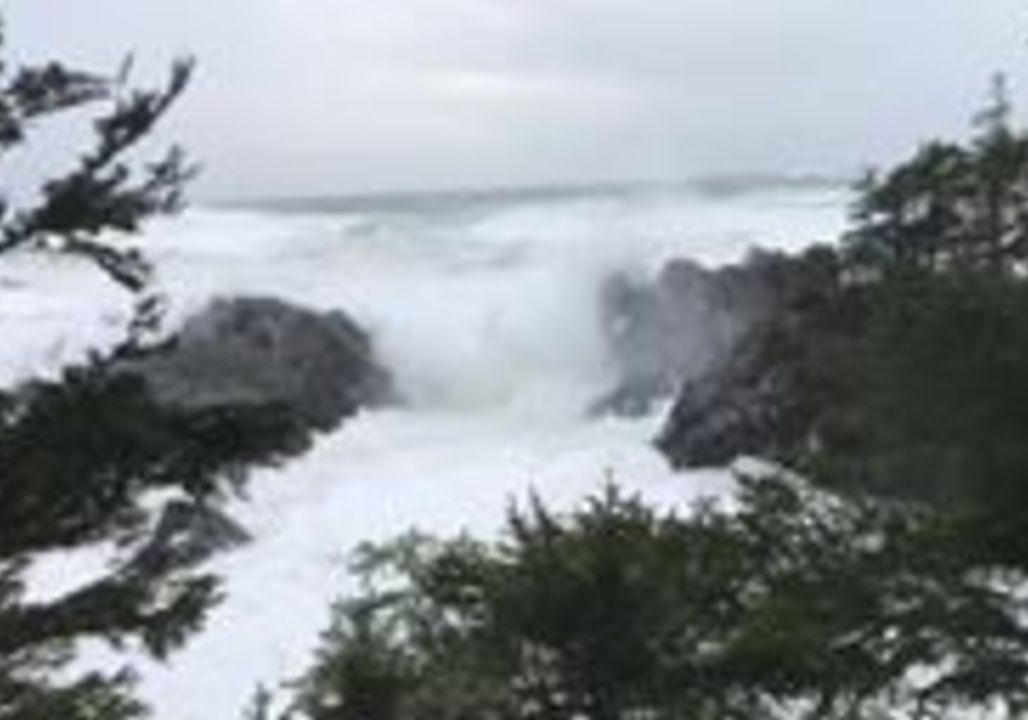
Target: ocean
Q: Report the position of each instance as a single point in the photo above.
(484, 306)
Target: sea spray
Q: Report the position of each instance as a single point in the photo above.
(485, 309)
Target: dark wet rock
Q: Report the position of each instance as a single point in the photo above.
(733, 410)
(319, 367)
(188, 533)
(678, 327)
(751, 399)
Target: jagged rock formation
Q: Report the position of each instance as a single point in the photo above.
(318, 367)
(734, 409)
(680, 326)
(754, 397)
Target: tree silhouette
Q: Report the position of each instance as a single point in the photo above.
(81, 455)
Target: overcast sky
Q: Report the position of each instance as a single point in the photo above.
(325, 96)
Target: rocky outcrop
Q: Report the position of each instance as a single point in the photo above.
(732, 410)
(759, 395)
(318, 367)
(312, 369)
(678, 327)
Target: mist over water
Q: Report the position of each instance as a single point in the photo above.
(485, 308)
(484, 300)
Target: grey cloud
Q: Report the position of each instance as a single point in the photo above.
(305, 96)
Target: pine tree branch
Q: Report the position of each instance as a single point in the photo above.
(99, 195)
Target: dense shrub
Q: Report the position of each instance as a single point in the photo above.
(795, 603)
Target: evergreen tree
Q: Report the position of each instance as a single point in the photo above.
(794, 604)
(951, 207)
(80, 455)
(895, 361)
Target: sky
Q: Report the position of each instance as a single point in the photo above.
(322, 97)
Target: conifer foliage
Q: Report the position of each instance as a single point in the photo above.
(82, 456)
(793, 604)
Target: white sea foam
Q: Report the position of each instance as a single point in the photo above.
(487, 316)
